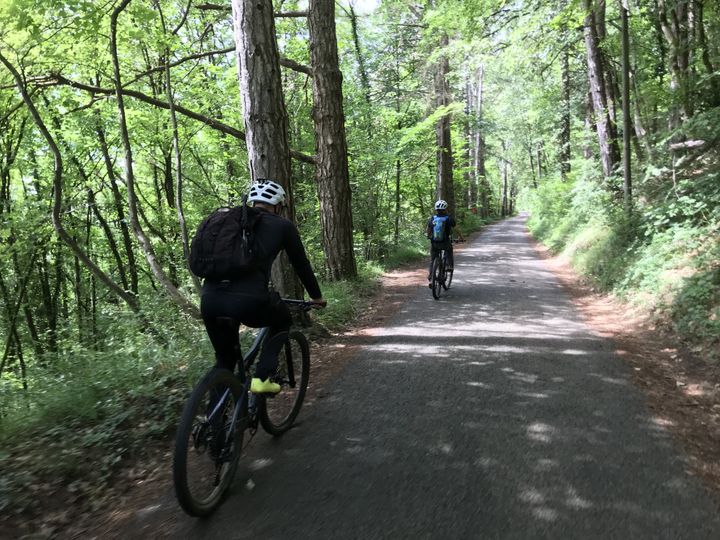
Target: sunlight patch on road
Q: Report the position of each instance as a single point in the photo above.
(544, 513)
(486, 462)
(261, 463)
(535, 395)
(478, 384)
(574, 352)
(443, 448)
(468, 328)
(532, 496)
(611, 380)
(540, 432)
(575, 501)
(545, 465)
(662, 422)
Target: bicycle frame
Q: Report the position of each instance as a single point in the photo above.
(247, 361)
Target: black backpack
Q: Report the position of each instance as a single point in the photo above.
(223, 246)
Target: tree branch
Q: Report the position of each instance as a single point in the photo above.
(179, 62)
(289, 14)
(145, 244)
(296, 66)
(228, 9)
(211, 122)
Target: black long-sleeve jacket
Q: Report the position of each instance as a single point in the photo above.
(273, 234)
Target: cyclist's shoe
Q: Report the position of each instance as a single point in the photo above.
(259, 386)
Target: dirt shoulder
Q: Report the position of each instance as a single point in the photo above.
(681, 388)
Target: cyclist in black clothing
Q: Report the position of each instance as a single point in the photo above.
(247, 300)
(443, 240)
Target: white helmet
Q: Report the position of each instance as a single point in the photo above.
(266, 191)
(441, 205)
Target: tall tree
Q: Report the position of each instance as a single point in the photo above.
(674, 21)
(443, 134)
(479, 151)
(607, 137)
(133, 209)
(627, 129)
(264, 114)
(565, 149)
(331, 167)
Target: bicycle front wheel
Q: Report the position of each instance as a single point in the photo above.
(277, 413)
(436, 277)
(208, 442)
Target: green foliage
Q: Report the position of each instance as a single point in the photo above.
(101, 406)
(663, 258)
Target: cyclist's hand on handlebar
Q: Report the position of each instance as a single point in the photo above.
(319, 302)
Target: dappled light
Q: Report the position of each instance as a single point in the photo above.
(510, 396)
(158, 156)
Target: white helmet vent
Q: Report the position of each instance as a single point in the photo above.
(266, 191)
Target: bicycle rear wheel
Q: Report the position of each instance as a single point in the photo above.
(436, 277)
(207, 444)
(277, 413)
(448, 279)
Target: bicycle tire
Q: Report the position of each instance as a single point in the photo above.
(278, 413)
(448, 279)
(202, 459)
(436, 275)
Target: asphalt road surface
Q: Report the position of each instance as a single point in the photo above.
(492, 413)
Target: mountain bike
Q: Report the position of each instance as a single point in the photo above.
(221, 409)
(440, 275)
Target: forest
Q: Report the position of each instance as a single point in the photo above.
(124, 123)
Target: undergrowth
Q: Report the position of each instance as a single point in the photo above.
(664, 257)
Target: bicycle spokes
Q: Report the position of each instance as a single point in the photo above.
(277, 413)
(208, 442)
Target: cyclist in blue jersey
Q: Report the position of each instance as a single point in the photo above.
(439, 231)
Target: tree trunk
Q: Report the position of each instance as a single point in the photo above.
(674, 25)
(532, 166)
(627, 130)
(182, 302)
(264, 113)
(470, 191)
(365, 81)
(479, 152)
(178, 191)
(331, 171)
(713, 97)
(397, 202)
(609, 152)
(119, 210)
(565, 154)
(445, 188)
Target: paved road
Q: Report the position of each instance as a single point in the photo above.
(492, 413)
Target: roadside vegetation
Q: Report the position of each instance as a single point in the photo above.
(663, 258)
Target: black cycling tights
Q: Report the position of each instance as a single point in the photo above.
(257, 311)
